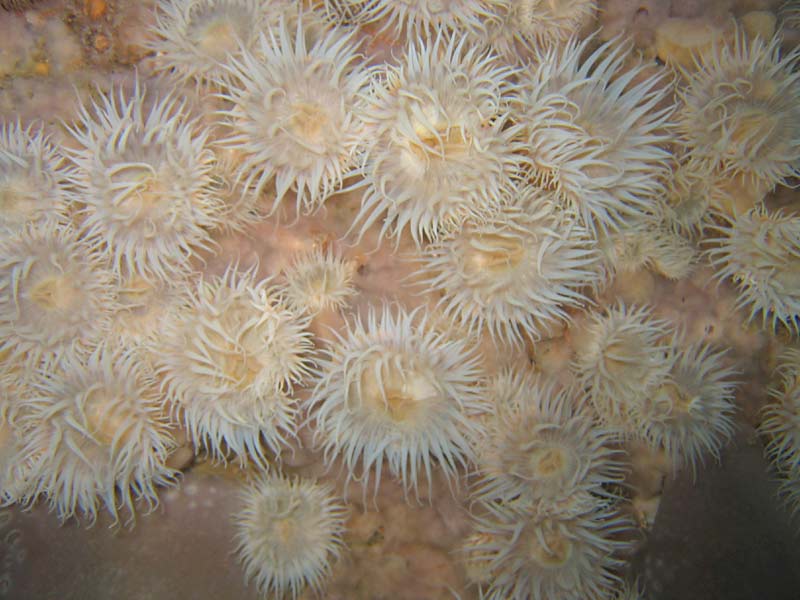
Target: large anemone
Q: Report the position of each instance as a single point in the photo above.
(99, 435)
(144, 174)
(229, 364)
(542, 446)
(740, 114)
(56, 296)
(441, 145)
(595, 129)
(395, 388)
(513, 272)
(760, 251)
(295, 115)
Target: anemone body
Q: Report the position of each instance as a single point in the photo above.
(33, 177)
(513, 273)
(99, 435)
(781, 418)
(295, 116)
(194, 40)
(740, 112)
(595, 130)
(56, 296)
(395, 388)
(318, 280)
(229, 364)
(621, 354)
(289, 532)
(690, 415)
(441, 144)
(759, 252)
(536, 555)
(144, 174)
(542, 448)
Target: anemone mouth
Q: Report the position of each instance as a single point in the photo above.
(487, 256)
(217, 33)
(548, 547)
(312, 125)
(55, 294)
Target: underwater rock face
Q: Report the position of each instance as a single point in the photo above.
(367, 246)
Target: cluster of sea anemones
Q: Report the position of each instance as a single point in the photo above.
(519, 188)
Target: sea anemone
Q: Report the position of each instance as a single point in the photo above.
(230, 362)
(536, 555)
(318, 280)
(595, 130)
(690, 414)
(195, 39)
(144, 174)
(418, 18)
(99, 434)
(781, 418)
(740, 112)
(621, 354)
(295, 114)
(33, 177)
(542, 448)
(15, 467)
(441, 145)
(289, 532)
(56, 296)
(397, 388)
(513, 272)
(687, 201)
(760, 251)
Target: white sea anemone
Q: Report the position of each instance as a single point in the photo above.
(229, 364)
(56, 296)
(194, 39)
(740, 111)
(542, 446)
(395, 388)
(15, 467)
(295, 116)
(144, 174)
(513, 272)
(621, 354)
(536, 555)
(289, 532)
(99, 435)
(318, 280)
(690, 414)
(781, 418)
(687, 201)
(33, 176)
(419, 17)
(760, 251)
(441, 145)
(595, 129)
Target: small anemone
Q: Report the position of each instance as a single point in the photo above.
(289, 532)
(393, 387)
(760, 251)
(318, 280)
(781, 418)
(417, 18)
